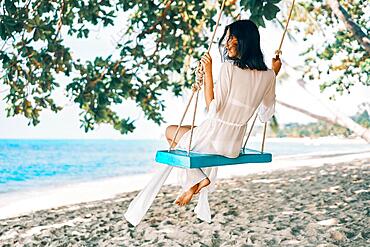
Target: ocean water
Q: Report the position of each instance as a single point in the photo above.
(26, 164)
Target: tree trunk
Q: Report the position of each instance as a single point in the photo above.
(339, 119)
(342, 14)
(310, 114)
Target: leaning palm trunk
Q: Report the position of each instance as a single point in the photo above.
(337, 118)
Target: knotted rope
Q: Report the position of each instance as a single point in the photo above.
(196, 87)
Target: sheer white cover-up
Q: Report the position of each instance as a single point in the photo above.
(237, 95)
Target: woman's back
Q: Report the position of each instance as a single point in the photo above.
(241, 91)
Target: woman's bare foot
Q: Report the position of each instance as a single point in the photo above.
(205, 182)
(185, 198)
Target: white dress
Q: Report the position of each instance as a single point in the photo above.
(237, 95)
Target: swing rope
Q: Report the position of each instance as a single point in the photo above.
(278, 51)
(196, 87)
(250, 131)
(200, 79)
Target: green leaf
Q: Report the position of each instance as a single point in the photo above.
(36, 34)
(258, 20)
(10, 7)
(270, 10)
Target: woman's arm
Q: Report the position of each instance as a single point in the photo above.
(208, 88)
(267, 107)
(206, 61)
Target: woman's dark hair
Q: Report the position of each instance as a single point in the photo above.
(249, 54)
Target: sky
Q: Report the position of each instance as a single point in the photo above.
(66, 124)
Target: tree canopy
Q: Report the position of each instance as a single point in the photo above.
(157, 52)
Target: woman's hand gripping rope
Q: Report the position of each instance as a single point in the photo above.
(276, 62)
(199, 78)
(204, 67)
(206, 61)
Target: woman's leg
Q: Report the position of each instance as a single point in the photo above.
(205, 182)
(170, 133)
(141, 203)
(187, 195)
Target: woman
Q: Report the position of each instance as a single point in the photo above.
(245, 83)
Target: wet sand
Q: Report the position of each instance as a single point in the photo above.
(306, 206)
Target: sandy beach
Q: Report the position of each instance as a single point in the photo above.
(317, 205)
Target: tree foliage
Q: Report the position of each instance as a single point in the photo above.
(337, 59)
(160, 43)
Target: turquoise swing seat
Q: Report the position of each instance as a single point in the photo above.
(179, 158)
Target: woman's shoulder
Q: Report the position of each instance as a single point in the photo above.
(227, 68)
(227, 65)
(267, 75)
(270, 73)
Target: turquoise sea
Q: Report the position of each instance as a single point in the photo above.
(27, 164)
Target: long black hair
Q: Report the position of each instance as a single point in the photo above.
(249, 54)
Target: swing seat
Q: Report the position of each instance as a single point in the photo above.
(180, 158)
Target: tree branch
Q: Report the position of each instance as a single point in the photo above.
(355, 29)
(313, 115)
(60, 22)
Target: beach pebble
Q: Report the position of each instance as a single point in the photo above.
(311, 229)
(336, 235)
(291, 241)
(328, 222)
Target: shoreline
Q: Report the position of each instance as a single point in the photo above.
(322, 138)
(19, 203)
